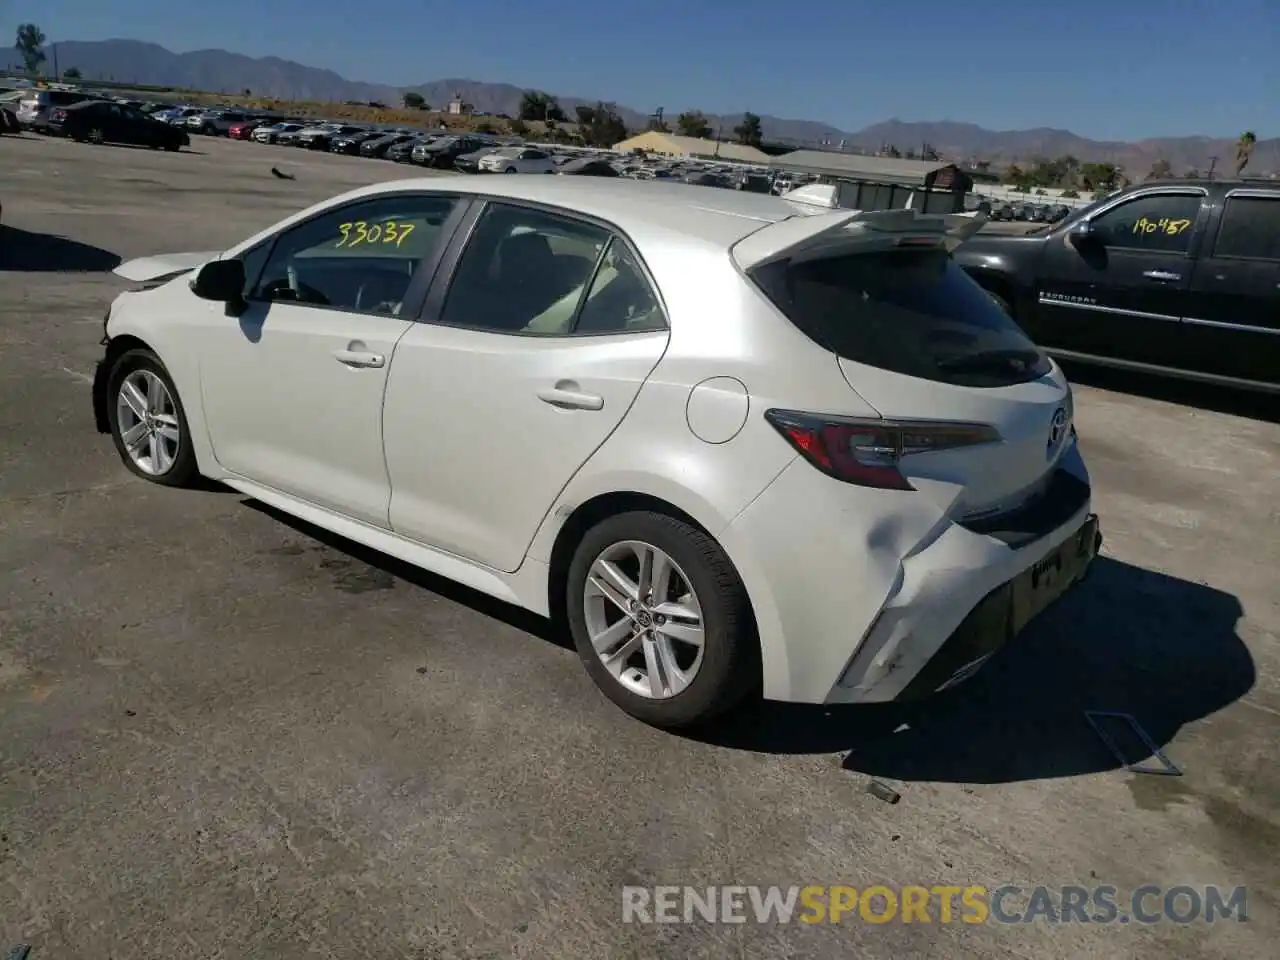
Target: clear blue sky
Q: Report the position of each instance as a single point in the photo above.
(1112, 69)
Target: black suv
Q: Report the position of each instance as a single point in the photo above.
(1179, 277)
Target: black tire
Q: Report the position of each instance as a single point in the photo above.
(731, 654)
(184, 472)
(172, 147)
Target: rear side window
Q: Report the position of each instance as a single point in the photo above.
(912, 312)
(1250, 229)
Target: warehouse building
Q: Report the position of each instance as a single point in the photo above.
(883, 183)
(691, 148)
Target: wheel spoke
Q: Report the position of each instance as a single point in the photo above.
(613, 584)
(653, 669)
(134, 436)
(134, 398)
(690, 633)
(675, 677)
(655, 575)
(607, 640)
(156, 394)
(169, 433)
(616, 662)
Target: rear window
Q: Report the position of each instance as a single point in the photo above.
(913, 312)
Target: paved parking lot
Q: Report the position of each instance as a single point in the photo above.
(223, 734)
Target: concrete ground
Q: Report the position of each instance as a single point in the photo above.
(223, 734)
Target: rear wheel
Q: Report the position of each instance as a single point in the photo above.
(96, 135)
(509, 170)
(661, 619)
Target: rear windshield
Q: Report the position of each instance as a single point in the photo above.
(909, 311)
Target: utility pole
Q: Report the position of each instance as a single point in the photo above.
(53, 48)
(719, 128)
(1213, 163)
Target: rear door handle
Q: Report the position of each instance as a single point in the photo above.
(566, 396)
(1164, 276)
(359, 358)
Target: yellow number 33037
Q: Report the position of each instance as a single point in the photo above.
(359, 233)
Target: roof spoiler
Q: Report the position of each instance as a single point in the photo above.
(823, 229)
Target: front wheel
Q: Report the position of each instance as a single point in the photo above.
(661, 619)
(148, 423)
(509, 170)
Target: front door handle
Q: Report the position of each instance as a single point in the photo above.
(359, 358)
(567, 396)
(1163, 276)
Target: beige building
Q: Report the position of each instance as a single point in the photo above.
(457, 107)
(670, 145)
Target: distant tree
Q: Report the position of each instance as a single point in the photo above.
(484, 126)
(1160, 170)
(1098, 177)
(28, 41)
(605, 127)
(519, 127)
(1193, 174)
(749, 131)
(658, 125)
(248, 92)
(536, 105)
(693, 124)
(413, 100)
(1070, 194)
(894, 152)
(585, 114)
(1244, 150)
(927, 152)
(71, 73)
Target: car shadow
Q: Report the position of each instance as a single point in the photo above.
(521, 619)
(1129, 640)
(1241, 403)
(22, 250)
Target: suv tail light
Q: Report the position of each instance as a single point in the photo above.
(59, 115)
(868, 452)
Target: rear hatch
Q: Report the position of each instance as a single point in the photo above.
(985, 415)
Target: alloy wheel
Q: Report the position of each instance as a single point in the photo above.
(644, 619)
(147, 419)
(96, 135)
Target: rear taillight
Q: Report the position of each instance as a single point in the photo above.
(869, 452)
(59, 115)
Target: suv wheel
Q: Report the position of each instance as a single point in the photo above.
(661, 619)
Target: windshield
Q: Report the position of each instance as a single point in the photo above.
(909, 311)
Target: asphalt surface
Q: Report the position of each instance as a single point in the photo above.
(223, 734)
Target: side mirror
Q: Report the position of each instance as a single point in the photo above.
(222, 280)
(1082, 233)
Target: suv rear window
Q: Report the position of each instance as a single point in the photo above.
(913, 312)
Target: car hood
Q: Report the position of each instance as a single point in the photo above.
(162, 265)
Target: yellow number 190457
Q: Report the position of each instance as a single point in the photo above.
(359, 233)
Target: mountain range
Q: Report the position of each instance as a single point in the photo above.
(135, 61)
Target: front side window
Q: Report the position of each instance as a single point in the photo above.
(1158, 222)
(1250, 229)
(361, 257)
(518, 265)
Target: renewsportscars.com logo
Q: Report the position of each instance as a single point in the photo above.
(944, 904)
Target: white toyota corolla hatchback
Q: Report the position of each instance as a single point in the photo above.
(735, 442)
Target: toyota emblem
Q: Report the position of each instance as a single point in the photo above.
(1057, 429)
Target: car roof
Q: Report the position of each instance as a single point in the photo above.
(721, 217)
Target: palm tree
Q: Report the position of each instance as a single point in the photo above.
(1244, 150)
(28, 41)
